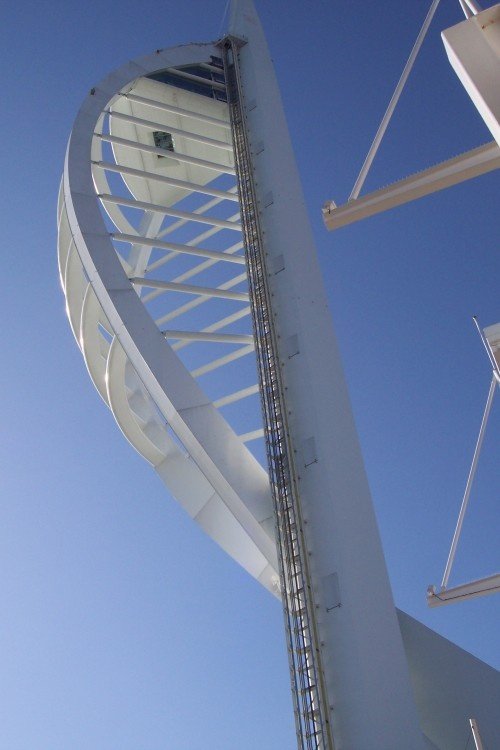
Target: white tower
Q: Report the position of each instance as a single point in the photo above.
(171, 158)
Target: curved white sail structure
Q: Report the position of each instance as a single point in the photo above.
(192, 289)
(151, 263)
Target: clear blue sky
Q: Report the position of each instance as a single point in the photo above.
(122, 627)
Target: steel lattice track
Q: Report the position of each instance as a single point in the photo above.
(311, 711)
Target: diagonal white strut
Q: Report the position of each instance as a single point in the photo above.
(470, 480)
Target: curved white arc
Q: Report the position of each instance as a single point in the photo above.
(119, 403)
(183, 478)
(236, 476)
(64, 240)
(93, 342)
(74, 286)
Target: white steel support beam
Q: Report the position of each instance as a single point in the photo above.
(370, 700)
(132, 203)
(175, 246)
(218, 325)
(238, 396)
(247, 437)
(177, 110)
(471, 164)
(204, 291)
(196, 79)
(183, 184)
(222, 361)
(216, 338)
(226, 285)
(193, 243)
(215, 166)
(110, 167)
(470, 479)
(171, 129)
(471, 590)
(473, 49)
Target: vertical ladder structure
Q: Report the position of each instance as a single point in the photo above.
(308, 690)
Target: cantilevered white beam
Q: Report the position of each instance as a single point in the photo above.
(218, 325)
(197, 79)
(177, 110)
(205, 291)
(167, 154)
(183, 184)
(221, 195)
(186, 249)
(458, 169)
(216, 338)
(118, 200)
(471, 590)
(222, 361)
(232, 398)
(171, 129)
(194, 272)
(194, 243)
(238, 315)
(201, 210)
(247, 437)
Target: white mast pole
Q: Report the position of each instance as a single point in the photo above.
(475, 734)
(468, 486)
(392, 104)
(370, 698)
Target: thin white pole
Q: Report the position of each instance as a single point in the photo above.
(472, 472)
(467, 11)
(474, 6)
(392, 104)
(217, 338)
(487, 347)
(204, 291)
(475, 734)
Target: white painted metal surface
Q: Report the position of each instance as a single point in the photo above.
(476, 735)
(491, 340)
(450, 686)
(360, 639)
(471, 164)
(473, 49)
(470, 590)
(393, 102)
(114, 204)
(139, 226)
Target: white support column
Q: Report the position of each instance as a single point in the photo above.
(370, 698)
